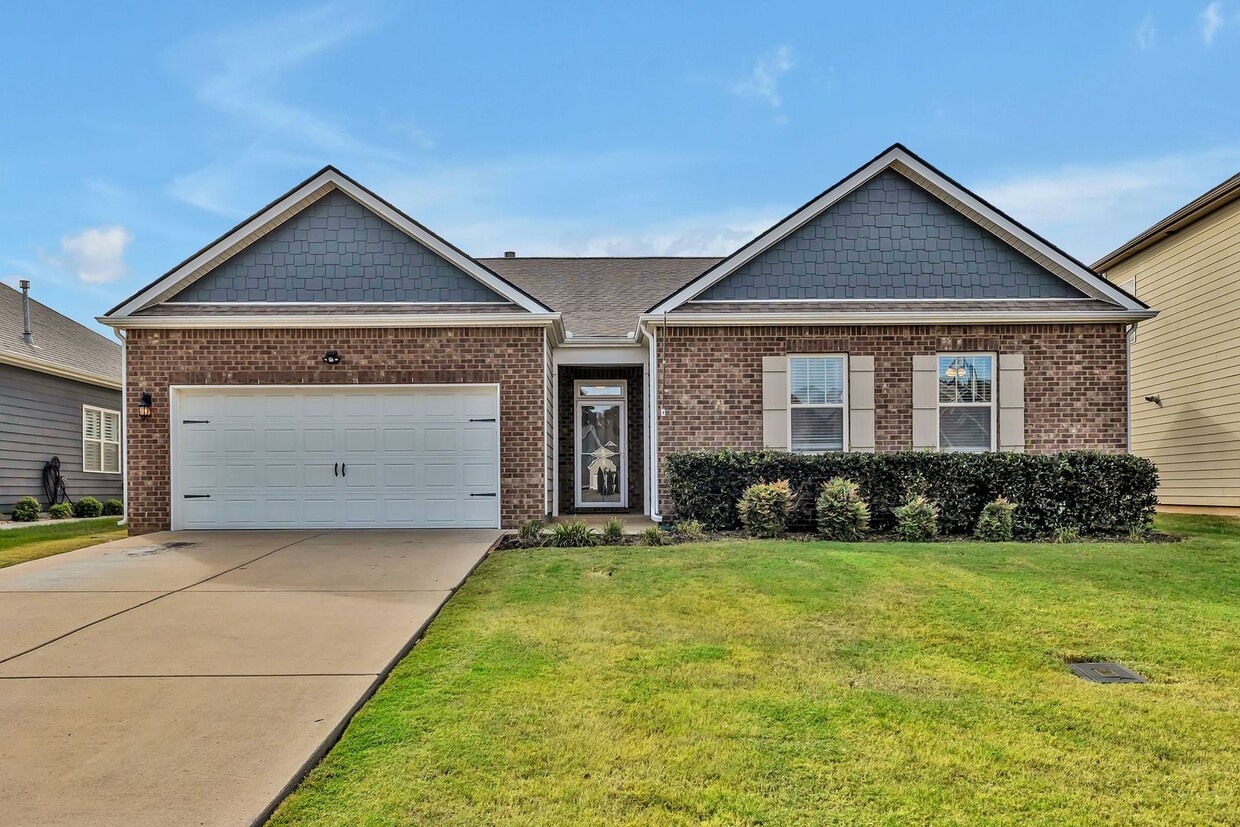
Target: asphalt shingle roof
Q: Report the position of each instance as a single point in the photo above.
(57, 339)
(600, 296)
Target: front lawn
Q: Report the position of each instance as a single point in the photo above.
(804, 683)
(19, 545)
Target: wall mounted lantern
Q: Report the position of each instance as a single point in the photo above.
(144, 405)
(331, 357)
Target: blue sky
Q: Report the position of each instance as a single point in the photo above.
(135, 133)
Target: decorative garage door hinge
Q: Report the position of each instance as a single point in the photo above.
(195, 422)
(197, 496)
(492, 494)
(492, 419)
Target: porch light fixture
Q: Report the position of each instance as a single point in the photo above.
(144, 405)
(331, 357)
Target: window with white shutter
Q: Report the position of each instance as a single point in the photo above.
(966, 402)
(101, 440)
(817, 403)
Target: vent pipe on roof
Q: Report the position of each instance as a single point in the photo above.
(510, 254)
(26, 336)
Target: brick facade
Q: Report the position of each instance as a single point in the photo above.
(1075, 379)
(513, 357)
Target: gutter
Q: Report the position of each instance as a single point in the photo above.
(337, 320)
(54, 369)
(853, 317)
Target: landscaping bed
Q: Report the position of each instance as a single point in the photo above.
(43, 539)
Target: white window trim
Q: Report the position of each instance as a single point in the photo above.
(993, 404)
(843, 406)
(579, 401)
(101, 440)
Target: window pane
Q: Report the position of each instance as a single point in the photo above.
(600, 390)
(111, 427)
(90, 424)
(112, 458)
(965, 379)
(600, 456)
(816, 380)
(964, 429)
(91, 456)
(818, 429)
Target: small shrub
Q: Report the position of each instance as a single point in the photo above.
(1139, 535)
(652, 536)
(917, 521)
(840, 511)
(1067, 534)
(613, 531)
(571, 534)
(994, 525)
(530, 533)
(764, 508)
(113, 508)
(26, 510)
(691, 531)
(87, 507)
(60, 511)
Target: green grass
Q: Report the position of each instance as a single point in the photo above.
(802, 683)
(20, 545)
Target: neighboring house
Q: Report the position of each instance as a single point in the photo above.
(1185, 405)
(59, 397)
(331, 362)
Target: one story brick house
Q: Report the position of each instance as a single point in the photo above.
(331, 362)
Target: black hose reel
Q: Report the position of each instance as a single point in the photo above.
(54, 483)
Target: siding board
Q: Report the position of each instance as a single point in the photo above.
(41, 417)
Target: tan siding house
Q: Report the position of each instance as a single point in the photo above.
(1186, 362)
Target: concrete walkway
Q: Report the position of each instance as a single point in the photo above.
(190, 677)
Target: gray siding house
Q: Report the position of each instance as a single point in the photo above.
(59, 397)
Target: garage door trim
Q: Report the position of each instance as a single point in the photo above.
(175, 391)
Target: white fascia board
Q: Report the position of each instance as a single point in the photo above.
(295, 202)
(63, 371)
(629, 354)
(338, 320)
(911, 167)
(924, 317)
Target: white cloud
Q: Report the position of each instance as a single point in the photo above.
(96, 255)
(762, 83)
(1211, 21)
(1147, 33)
(1090, 210)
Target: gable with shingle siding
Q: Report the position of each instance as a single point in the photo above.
(890, 239)
(336, 250)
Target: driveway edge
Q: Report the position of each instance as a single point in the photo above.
(337, 732)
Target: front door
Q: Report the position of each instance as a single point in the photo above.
(602, 462)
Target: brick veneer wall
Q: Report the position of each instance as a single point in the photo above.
(1075, 380)
(513, 357)
(634, 429)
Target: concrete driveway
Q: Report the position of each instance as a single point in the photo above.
(190, 677)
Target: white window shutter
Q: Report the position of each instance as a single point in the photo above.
(1011, 402)
(775, 402)
(861, 404)
(925, 402)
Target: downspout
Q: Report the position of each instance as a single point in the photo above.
(1129, 335)
(120, 334)
(652, 410)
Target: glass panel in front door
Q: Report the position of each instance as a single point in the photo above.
(600, 462)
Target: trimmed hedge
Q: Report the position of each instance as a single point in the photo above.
(1099, 495)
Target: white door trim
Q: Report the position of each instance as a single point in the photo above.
(174, 392)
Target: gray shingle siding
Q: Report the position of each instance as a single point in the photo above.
(890, 239)
(336, 250)
(41, 418)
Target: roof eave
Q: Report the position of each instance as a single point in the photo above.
(898, 318)
(62, 371)
(336, 320)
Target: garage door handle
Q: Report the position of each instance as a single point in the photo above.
(336, 470)
(492, 494)
(492, 419)
(344, 470)
(197, 496)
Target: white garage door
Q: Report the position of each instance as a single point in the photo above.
(358, 457)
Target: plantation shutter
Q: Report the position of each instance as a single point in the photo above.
(1011, 402)
(92, 434)
(925, 402)
(775, 402)
(861, 404)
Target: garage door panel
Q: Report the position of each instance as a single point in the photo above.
(277, 458)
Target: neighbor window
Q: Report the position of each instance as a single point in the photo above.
(816, 403)
(966, 403)
(101, 440)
